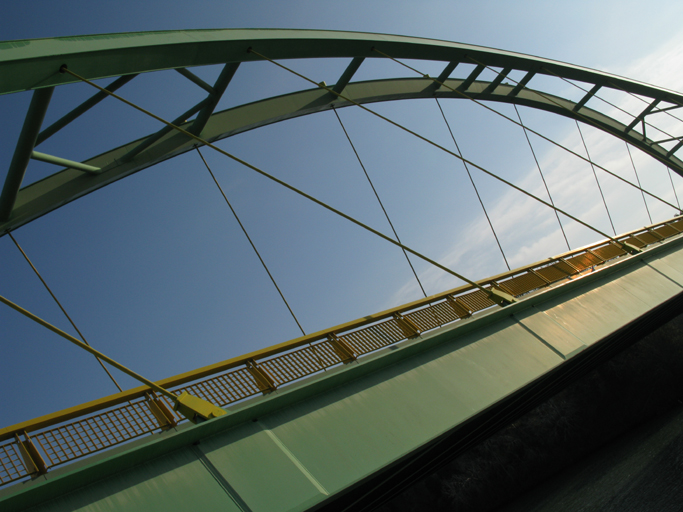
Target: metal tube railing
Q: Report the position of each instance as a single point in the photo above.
(118, 418)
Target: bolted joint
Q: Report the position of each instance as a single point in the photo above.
(195, 409)
(161, 412)
(459, 307)
(407, 326)
(500, 297)
(631, 249)
(264, 381)
(33, 461)
(341, 348)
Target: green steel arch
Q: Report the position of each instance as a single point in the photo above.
(35, 65)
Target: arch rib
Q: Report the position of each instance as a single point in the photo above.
(69, 184)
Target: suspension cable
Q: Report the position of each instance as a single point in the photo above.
(35, 270)
(244, 230)
(596, 178)
(674, 188)
(638, 179)
(578, 113)
(538, 166)
(623, 111)
(296, 190)
(464, 95)
(476, 191)
(431, 142)
(378, 199)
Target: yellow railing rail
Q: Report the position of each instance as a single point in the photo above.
(33, 446)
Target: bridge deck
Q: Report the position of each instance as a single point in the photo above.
(301, 446)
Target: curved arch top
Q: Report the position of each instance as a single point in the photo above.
(32, 64)
(35, 64)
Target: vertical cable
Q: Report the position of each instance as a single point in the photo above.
(674, 189)
(638, 180)
(538, 166)
(272, 279)
(62, 308)
(481, 202)
(596, 178)
(379, 200)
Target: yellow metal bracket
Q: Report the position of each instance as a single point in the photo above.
(500, 297)
(532, 271)
(341, 348)
(161, 412)
(264, 381)
(571, 265)
(33, 461)
(410, 330)
(195, 409)
(631, 249)
(459, 307)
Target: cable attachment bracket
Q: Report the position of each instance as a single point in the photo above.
(341, 348)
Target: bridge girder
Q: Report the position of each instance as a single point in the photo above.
(35, 65)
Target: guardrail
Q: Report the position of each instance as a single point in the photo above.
(33, 447)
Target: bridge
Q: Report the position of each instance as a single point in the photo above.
(343, 417)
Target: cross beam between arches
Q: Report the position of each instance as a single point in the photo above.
(28, 65)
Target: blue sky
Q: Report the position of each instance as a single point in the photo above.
(155, 271)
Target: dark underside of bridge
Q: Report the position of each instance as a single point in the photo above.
(520, 447)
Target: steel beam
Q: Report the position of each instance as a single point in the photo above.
(470, 79)
(38, 199)
(181, 119)
(82, 108)
(443, 76)
(522, 83)
(37, 63)
(22, 153)
(587, 97)
(126, 54)
(195, 80)
(69, 164)
(496, 81)
(641, 116)
(347, 75)
(218, 89)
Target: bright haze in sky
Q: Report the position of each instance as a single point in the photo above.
(156, 272)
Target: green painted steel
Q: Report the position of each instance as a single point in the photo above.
(69, 184)
(35, 65)
(308, 442)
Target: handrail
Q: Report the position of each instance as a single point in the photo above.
(205, 371)
(266, 369)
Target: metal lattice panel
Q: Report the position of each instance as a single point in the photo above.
(477, 300)
(96, 433)
(11, 464)
(374, 337)
(556, 272)
(295, 365)
(522, 284)
(228, 388)
(425, 319)
(647, 237)
(609, 251)
(584, 261)
(666, 231)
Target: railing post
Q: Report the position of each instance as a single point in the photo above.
(33, 461)
(161, 412)
(458, 307)
(341, 348)
(265, 382)
(410, 330)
